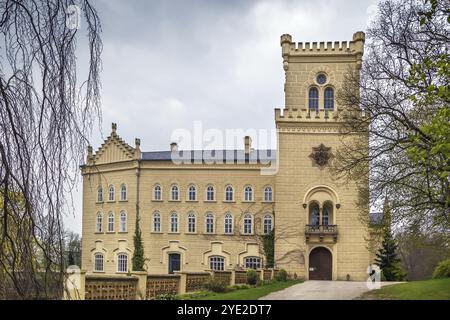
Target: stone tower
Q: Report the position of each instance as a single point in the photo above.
(318, 232)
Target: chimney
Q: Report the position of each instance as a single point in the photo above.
(248, 144)
(173, 147)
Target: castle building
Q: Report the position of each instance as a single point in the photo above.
(210, 210)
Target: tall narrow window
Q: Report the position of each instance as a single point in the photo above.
(174, 222)
(210, 193)
(98, 262)
(111, 193)
(175, 195)
(123, 192)
(192, 193)
(157, 192)
(100, 194)
(268, 194)
(228, 224)
(209, 223)
(314, 214)
(326, 213)
(313, 99)
(268, 224)
(329, 99)
(191, 222)
(248, 224)
(122, 262)
(99, 223)
(156, 222)
(248, 194)
(229, 193)
(123, 222)
(111, 222)
(217, 263)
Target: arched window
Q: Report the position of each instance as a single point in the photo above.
(123, 192)
(229, 193)
(98, 262)
(210, 196)
(314, 214)
(192, 193)
(123, 222)
(156, 222)
(329, 99)
(267, 224)
(122, 262)
(313, 99)
(111, 222)
(228, 224)
(174, 222)
(174, 193)
(252, 262)
(99, 223)
(209, 223)
(268, 194)
(191, 222)
(99, 194)
(157, 193)
(327, 213)
(248, 194)
(248, 224)
(111, 193)
(217, 263)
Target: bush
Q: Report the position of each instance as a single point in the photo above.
(442, 270)
(240, 286)
(215, 285)
(166, 296)
(281, 275)
(252, 277)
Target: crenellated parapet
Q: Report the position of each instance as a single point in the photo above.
(353, 48)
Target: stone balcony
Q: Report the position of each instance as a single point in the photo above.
(317, 233)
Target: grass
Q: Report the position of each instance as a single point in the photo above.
(249, 293)
(436, 289)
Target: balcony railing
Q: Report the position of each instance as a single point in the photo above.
(321, 231)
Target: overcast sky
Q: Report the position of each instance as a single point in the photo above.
(167, 64)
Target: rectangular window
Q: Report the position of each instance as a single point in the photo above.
(217, 263)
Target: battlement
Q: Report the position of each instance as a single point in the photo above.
(356, 46)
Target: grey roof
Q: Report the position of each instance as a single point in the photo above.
(210, 156)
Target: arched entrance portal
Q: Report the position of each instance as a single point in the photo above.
(320, 264)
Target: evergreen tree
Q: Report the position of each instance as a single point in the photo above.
(387, 258)
(138, 254)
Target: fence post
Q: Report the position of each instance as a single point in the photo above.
(141, 288)
(183, 283)
(233, 277)
(261, 274)
(272, 274)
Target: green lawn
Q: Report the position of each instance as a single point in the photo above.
(251, 293)
(437, 289)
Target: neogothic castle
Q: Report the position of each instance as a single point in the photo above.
(205, 215)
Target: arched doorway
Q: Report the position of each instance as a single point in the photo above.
(320, 264)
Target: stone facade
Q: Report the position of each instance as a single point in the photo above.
(307, 205)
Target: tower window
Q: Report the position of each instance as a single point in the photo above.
(329, 99)
(313, 99)
(321, 78)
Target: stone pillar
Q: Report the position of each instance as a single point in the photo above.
(182, 283)
(261, 274)
(141, 288)
(233, 277)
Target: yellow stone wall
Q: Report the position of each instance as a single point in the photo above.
(298, 182)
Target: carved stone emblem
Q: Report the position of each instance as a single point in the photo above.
(321, 155)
